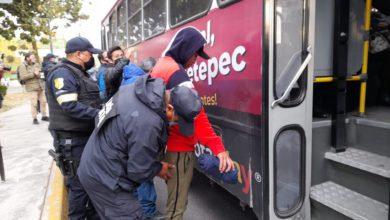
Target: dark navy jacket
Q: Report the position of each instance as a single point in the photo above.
(131, 130)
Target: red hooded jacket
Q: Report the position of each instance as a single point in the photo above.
(174, 74)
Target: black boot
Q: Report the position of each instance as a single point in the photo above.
(35, 121)
(45, 118)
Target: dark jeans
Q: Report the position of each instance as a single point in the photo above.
(147, 197)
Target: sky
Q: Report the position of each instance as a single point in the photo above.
(90, 29)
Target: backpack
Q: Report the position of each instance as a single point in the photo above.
(18, 76)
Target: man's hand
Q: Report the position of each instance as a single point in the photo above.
(128, 54)
(164, 172)
(225, 162)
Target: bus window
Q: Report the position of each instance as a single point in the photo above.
(121, 31)
(133, 6)
(134, 24)
(182, 11)
(225, 3)
(290, 49)
(154, 17)
(289, 165)
(113, 27)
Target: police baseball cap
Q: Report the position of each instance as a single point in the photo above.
(203, 54)
(187, 105)
(80, 44)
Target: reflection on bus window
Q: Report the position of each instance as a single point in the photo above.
(288, 158)
(154, 17)
(113, 26)
(289, 44)
(122, 36)
(122, 14)
(133, 7)
(135, 29)
(183, 10)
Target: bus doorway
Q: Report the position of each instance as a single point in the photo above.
(288, 105)
(350, 154)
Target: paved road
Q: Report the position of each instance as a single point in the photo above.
(207, 202)
(26, 162)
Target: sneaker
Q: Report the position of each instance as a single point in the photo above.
(157, 216)
(35, 121)
(45, 118)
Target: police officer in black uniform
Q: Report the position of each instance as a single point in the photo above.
(73, 99)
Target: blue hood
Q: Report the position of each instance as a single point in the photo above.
(130, 73)
(186, 43)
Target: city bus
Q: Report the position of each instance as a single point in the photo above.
(267, 59)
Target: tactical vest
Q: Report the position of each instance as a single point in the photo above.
(88, 94)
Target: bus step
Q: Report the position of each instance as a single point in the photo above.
(348, 202)
(362, 160)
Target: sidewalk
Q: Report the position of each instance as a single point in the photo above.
(27, 164)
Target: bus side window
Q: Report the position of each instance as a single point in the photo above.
(134, 25)
(225, 3)
(183, 11)
(154, 17)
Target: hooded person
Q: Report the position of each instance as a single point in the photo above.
(130, 74)
(115, 163)
(181, 53)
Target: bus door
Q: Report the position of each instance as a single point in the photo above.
(287, 96)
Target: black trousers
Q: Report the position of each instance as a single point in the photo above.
(80, 206)
(110, 205)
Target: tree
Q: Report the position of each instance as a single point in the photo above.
(32, 18)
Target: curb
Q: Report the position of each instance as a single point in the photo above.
(55, 206)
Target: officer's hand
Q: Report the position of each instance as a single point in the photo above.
(164, 172)
(225, 162)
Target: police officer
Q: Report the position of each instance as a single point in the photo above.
(73, 99)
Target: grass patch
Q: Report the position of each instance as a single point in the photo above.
(15, 99)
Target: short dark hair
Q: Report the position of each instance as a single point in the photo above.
(27, 55)
(101, 57)
(111, 50)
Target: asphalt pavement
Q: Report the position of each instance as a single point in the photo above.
(26, 162)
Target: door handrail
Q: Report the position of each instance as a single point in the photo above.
(295, 79)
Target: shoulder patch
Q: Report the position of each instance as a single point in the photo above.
(59, 83)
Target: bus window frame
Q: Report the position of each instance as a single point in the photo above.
(303, 79)
(299, 204)
(226, 4)
(113, 30)
(165, 21)
(197, 16)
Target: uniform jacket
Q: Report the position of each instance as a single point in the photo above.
(131, 130)
(72, 97)
(32, 82)
(170, 69)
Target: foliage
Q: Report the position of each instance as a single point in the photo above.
(12, 48)
(23, 47)
(32, 18)
(10, 59)
(3, 90)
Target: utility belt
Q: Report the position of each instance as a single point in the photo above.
(62, 153)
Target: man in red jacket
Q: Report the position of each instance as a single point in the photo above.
(187, 44)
